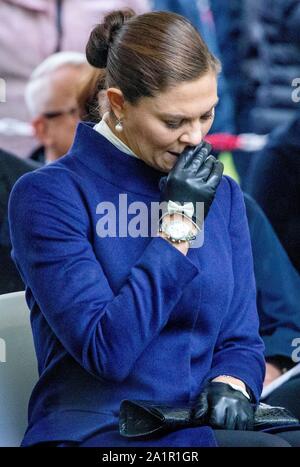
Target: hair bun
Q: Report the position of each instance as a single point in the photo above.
(103, 35)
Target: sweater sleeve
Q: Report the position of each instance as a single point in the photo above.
(104, 332)
(239, 348)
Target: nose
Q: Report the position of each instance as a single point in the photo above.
(193, 135)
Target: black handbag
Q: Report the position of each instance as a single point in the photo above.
(144, 418)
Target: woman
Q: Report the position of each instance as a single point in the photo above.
(117, 313)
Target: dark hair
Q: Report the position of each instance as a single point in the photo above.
(146, 54)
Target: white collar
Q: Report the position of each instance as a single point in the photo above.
(103, 128)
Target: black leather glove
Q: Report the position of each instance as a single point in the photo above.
(224, 408)
(194, 178)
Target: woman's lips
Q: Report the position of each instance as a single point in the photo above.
(176, 154)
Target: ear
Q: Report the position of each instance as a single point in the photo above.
(40, 126)
(117, 101)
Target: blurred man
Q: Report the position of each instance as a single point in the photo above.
(51, 98)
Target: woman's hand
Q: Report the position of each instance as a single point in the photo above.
(230, 379)
(225, 408)
(194, 179)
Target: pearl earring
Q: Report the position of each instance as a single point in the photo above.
(119, 126)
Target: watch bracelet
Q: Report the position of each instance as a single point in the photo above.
(188, 238)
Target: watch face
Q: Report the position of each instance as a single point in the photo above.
(177, 230)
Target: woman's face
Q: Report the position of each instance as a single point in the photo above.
(158, 129)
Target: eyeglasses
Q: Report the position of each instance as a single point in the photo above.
(50, 115)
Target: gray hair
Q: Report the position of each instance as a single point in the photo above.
(38, 88)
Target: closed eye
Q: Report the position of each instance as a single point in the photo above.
(207, 116)
(174, 125)
(174, 122)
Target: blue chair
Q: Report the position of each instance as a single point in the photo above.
(18, 367)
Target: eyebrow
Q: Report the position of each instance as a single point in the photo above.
(181, 117)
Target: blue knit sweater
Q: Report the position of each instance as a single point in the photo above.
(124, 317)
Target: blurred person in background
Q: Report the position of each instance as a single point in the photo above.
(260, 44)
(30, 31)
(274, 27)
(11, 168)
(274, 182)
(51, 99)
(278, 305)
